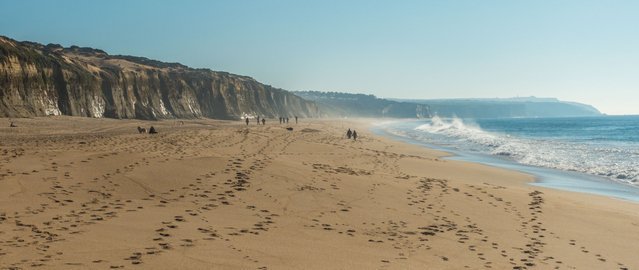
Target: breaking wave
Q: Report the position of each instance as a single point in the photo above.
(614, 161)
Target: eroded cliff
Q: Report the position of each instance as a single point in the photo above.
(38, 80)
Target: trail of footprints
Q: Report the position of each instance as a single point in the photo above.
(101, 207)
(239, 179)
(428, 198)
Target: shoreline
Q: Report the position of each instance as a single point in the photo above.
(543, 177)
(93, 193)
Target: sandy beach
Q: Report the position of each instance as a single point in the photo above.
(81, 193)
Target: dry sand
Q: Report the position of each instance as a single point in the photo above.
(79, 193)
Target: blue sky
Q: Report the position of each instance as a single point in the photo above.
(586, 51)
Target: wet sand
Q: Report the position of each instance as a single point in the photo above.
(79, 193)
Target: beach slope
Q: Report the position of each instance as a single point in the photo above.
(80, 193)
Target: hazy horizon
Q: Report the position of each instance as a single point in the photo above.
(582, 51)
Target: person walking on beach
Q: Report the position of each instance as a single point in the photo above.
(296, 119)
(349, 133)
(247, 121)
(263, 121)
(287, 120)
(354, 135)
(258, 120)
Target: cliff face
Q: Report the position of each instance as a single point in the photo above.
(38, 80)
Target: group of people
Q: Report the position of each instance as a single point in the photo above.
(283, 120)
(351, 134)
(263, 120)
(143, 130)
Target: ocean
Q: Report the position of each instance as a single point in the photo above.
(588, 154)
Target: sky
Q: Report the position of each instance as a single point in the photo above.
(584, 51)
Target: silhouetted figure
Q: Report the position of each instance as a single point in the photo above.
(247, 121)
(287, 120)
(280, 120)
(349, 133)
(152, 130)
(354, 135)
(258, 119)
(263, 121)
(141, 130)
(296, 119)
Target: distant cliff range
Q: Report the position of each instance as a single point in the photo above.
(505, 107)
(336, 104)
(40, 80)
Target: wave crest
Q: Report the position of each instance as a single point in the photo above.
(613, 162)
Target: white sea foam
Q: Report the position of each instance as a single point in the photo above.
(615, 162)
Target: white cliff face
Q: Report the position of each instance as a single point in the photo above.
(192, 105)
(50, 106)
(97, 107)
(163, 110)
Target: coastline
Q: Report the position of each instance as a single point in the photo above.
(81, 193)
(543, 177)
